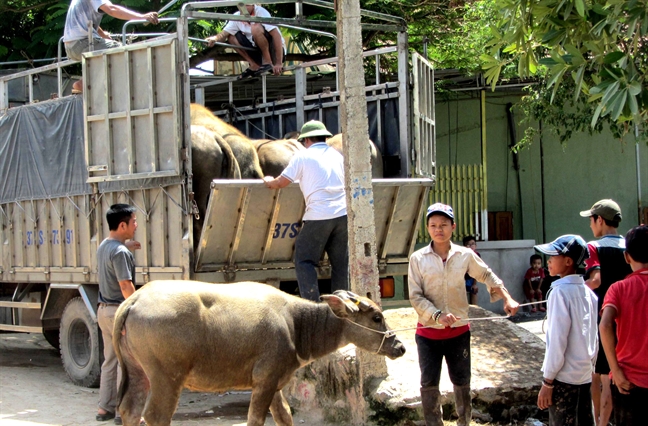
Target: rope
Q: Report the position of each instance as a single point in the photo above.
(236, 110)
(389, 333)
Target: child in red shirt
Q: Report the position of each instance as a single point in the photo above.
(626, 303)
(533, 280)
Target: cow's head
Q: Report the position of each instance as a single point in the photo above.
(367, 329)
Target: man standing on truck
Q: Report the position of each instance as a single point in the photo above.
(266, 39)
(116, 274)
(320, 172)
(85, 13)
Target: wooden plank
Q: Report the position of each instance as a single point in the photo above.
(23, 305)
(21, 328)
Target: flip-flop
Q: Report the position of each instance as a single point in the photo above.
(264, 69)
(248, 73)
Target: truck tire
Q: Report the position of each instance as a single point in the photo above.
(81, 345)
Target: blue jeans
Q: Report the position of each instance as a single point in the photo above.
(456, 352)
(316, 237)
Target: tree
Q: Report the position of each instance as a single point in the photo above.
(455, 29)
(596, 47)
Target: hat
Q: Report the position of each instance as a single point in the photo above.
(313, 128)
(568, 245)
(607, 209)
(439, 208)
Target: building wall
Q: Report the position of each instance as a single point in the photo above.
(571, 177)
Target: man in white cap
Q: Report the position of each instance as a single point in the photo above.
(437, 292)
(320, 172)
(605, 266)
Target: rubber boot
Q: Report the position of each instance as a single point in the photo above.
(464, 405)
(431, 402)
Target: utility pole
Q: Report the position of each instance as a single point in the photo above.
(363, 265)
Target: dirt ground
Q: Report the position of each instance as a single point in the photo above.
(35, 391)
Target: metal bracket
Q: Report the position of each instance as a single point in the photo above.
(145, 274)
(229, 274)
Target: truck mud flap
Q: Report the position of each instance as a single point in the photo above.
(250, 227)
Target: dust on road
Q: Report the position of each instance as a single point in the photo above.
(35, 391)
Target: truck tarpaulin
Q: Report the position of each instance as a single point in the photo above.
(42, 151)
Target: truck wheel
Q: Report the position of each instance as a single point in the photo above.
(52, 337)
(81, 346)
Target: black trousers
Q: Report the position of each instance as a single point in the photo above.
(629, 410)
(571, 405)
(316, 237)
(456, 352)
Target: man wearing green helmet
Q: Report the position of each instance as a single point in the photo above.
(320, 172)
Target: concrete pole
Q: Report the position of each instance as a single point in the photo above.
(363, 265)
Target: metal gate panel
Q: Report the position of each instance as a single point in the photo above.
(424, 136)
(398, 207)
(250, 227)
(133, 122)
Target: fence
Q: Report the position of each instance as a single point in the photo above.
(462, 187)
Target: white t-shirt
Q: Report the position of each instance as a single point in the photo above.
(79, 13)
(320, 172)
(233, 27)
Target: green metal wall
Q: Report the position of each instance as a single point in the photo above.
(574, 176)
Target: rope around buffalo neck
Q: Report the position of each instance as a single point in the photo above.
(389, 333)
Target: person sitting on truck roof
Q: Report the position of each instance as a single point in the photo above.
(83, 12)
(265, 38)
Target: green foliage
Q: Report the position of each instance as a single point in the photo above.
(597, 48)
(31, 29)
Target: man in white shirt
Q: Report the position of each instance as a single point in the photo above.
(572, 341)
(265, 38)
(320, 172)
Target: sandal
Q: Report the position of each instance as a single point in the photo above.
(263, 69)
(248, 73)
(105, 417)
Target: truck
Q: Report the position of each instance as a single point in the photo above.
(127, 139)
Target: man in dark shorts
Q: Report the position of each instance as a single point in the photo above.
(605, 266)
(75, 35)
(266, 39)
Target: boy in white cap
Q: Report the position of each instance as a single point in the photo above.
(572, 342)
(437, 291)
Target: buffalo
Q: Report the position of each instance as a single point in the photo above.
(242, 147)
(172, 335)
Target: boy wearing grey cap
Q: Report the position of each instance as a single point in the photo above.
(605, 266)
(437, 292)
(572, 341)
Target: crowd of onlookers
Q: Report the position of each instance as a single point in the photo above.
(595, 296)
